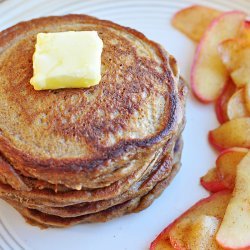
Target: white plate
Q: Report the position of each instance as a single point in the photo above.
(136, 231)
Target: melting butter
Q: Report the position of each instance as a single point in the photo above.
(69, 59)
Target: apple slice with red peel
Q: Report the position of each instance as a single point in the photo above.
(211, 181)
(236, 106)
(208, 74)
(214, 205)
(195, 233)
(162, 241)
(246, 26)
(226, 164)
(245, 30)
(247, 96)
(221, 102)
(198, 19)
(234, 232)
(234, 133)
(163, 244)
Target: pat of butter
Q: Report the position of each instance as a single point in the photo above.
(69, 59)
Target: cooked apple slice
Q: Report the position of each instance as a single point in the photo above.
(236, 106)
(211, 181)
(221, 102)
(245, 31)
(195, 233)
(198, 19)
(234, 232)
(214, 205)
(226, 164)
(247, 96)
(208, 74)
(234, 133)
(246, 26)
(162, 244)
(162, 241)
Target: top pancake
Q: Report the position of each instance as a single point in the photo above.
(136, 104)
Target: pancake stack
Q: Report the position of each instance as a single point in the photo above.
(73, 156)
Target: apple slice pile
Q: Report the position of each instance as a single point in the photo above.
(224, 174)
(220, 74)
(197, 227)
(213, 181)
(222, 52)
(221, 69)
(209, 74)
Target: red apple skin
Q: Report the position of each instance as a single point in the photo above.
(200, 202)
(247, 24)
(221, 102)
(212, 182)
(165, 232)
(220, 114)
(228, 150)
(213, 186)
(196, 58)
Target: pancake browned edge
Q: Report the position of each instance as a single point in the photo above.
(85, 155)
(135, 204)
(158, 172)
